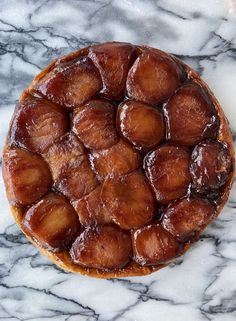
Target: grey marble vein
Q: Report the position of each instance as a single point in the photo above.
(202, 284)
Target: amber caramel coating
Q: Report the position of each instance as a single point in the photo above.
(113, 169)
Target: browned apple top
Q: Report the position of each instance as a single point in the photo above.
(114, 156)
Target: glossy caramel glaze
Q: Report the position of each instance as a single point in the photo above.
(114, 132)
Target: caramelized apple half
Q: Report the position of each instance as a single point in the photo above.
(141, 124)
(119, 159)
(66, 153)
(37, 123)
(76, 181)
(94, 124)
(153, 78)
(190, 116)
(52, 222)
(128, 200)
(167, 169)
(186, 217)
(26, 176)
(153, 245)
(102, 247)
(210, 167)
(70, 84)
(113, 61)
(91, 210)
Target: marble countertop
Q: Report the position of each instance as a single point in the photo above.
(202, 285)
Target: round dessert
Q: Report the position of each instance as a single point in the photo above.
(117, 157)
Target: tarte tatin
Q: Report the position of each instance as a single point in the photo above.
(117, 157)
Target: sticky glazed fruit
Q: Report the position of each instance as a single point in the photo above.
(117, 157)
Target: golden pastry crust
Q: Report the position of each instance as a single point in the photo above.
(63, 259)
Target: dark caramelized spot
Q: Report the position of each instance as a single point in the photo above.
(113, 61)
(129, 200)
(153, 78)
(167, 169)
(102, 247)
(90, 209)
(52, 222)
(210, 167)
(94, 124)
(141, 124)
(185, 218)
(71, 84)
(153, 245)
(190, 116)
(26, 176)
(121, 158)
(66, 152)
(36, 124)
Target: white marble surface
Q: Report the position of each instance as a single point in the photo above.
(202, 286)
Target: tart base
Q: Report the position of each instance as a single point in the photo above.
(62, 259)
